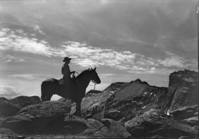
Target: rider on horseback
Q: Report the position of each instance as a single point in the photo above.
(66, 73)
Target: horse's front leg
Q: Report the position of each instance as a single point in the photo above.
(78, 108)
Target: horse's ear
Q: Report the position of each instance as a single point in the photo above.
(94, 68)
(89, 69)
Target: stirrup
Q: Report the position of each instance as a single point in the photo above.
(61, 82)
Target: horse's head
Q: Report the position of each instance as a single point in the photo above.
(94, 76)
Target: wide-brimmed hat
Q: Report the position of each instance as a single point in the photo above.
(66, 58)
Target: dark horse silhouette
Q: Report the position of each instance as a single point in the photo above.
(51, 86)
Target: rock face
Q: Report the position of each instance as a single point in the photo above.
(104, 128)
(92, 92)
(94, 104)
(136, 97)
(24, 101)
(187, 115)
(34, 119)
(53, 118)
(152, 124)
(7, 108)
(183, 89)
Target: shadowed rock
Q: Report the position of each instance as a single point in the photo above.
(183, 89)
(34, 119)
(153, 124)
(104, 128)
(187, 115)
(7, 108)
(24, 101)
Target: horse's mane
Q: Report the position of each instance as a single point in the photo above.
(83, 72)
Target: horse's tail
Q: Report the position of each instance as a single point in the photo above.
(42, 92)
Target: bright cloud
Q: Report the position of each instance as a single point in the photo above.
(37, 28)
(10, 58)
(89, 56)
(8, 91)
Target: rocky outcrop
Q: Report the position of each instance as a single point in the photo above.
(54, 118)
(153, 124)
(187, 115)
(138, 106)
(135, 98)
(7, 108)
(7, 134)
(34, 119)
(183, 89)
(72, 125)
(92, 92)
(24, 101)
(95, 104)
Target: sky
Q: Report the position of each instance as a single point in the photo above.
(124, 39)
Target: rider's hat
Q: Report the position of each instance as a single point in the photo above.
(66, 59)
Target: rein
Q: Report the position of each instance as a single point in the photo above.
(94, 84)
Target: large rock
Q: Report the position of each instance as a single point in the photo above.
(188, 115)
(104, 128)
(53, 118)
(24, 101)
(183, 89)
(34, 119)
(7, 108)
(7, 134)
(152, 124)
(92, 92)
(93, 103)
(134, 98)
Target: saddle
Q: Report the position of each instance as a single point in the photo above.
(71, 80)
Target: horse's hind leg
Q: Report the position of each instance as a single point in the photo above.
(48, 97)
(45, 93)
(42, 97)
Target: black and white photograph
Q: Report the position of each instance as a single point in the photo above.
(99, 69)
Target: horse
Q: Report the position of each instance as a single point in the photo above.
(51, 86)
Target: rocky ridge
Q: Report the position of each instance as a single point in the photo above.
(123, 110)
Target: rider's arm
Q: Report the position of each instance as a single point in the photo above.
(72, 72)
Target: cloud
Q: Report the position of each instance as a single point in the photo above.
(38, 29)
(29, 76)
(11, 41)
(9, 92)
(176, 61)
(9, 58)
(173, 62)
(85, 55)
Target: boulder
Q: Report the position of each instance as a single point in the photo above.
(34, 118)
(7, 133)
(72, 125)
(185, 112)
(24, 101)
(152, 124)
(91, 92)
(94, 101)
(52, 118)
(3, 98)
(187, 115)
(8, 109)
(134, 98)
